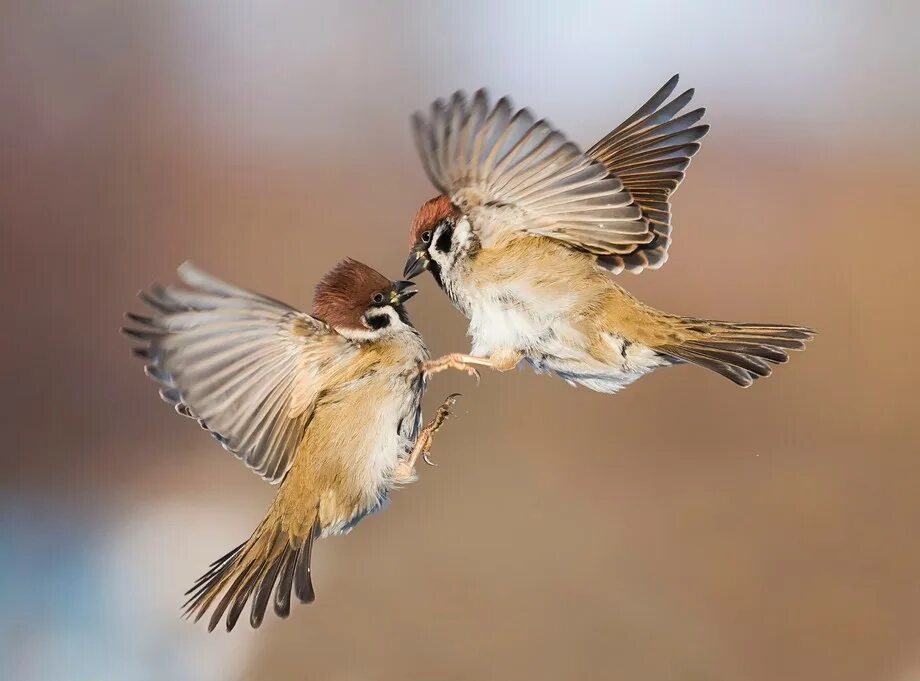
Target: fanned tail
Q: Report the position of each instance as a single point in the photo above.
(252, 569)
(740, 352)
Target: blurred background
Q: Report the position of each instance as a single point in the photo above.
(682, 530)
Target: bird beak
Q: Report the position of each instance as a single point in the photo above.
(416, 264)
(402, 291)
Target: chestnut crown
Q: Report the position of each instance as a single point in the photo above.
(429, 216)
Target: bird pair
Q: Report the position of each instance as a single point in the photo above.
(522, 239)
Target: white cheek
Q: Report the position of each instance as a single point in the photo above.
(463, 230)
(396, 324)
(442, 259)
(369, 334)
(390, 314)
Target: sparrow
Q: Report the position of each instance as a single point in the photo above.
(527, 228)
(327, 406)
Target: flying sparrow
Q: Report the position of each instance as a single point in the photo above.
(527, 227)
(326, 405)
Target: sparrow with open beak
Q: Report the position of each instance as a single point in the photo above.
(527, 227)
(328, 405)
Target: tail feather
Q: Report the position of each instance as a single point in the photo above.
(240, 587)
(303, 583)
(251, 571)
(238, 603)
(264, 591)
(283, 594)
(740, 352)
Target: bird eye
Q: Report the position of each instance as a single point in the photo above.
(378, 297)
(426, 236)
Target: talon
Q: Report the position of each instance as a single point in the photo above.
(428, 460)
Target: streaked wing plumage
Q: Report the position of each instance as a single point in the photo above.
(249, 368)
(522, 176)
(519, 175)
(649, 152)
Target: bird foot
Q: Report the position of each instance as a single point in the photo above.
(425, 437)
(454, 360)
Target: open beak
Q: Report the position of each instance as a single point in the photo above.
(402, 291)
(416, 264)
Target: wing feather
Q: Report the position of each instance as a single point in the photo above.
(612, 201)
(248, 367)
(650, 152)
(497, 157)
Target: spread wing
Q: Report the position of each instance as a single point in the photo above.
(518, 175)
(649, 152)
(249, 368)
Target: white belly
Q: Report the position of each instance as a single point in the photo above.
(502, 321)
(512, 318)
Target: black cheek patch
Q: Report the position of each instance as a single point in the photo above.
(445, 240)
(377, 322)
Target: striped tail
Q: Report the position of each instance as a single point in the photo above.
(270, 556)
(740, 352)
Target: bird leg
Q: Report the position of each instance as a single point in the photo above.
(423, 441)
(461, 362)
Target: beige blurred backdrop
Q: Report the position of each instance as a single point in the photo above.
(682, 530)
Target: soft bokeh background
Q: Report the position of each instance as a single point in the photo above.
(683, 530)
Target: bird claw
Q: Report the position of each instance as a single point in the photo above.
(426, 457)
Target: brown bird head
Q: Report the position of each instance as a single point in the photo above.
(431, 230)
(354, 297)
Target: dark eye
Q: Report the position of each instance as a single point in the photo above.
(426, 236)
(378, 297)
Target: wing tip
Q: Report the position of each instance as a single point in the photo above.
(189, 273)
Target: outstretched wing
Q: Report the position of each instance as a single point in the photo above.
(249, 368)
(519, 175)
(649, 152)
